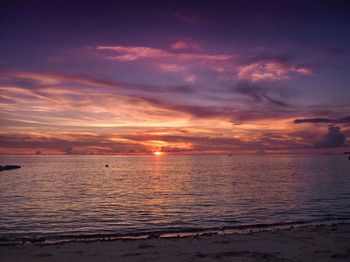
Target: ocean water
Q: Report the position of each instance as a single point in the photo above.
(74, 196)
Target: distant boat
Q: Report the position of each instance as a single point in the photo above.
(4, 168)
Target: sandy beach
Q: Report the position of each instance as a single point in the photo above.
(313, 243)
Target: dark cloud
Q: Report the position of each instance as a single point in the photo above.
(312, 120)
(343, 120)
(266, 141)
(200, 143)
(276, 102)
(254, 91)
(333, 138)
(257, 93)
(232, 113)
(73, 144)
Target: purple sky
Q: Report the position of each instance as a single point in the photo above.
(116, 77)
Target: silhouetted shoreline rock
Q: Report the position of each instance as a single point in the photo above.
(10, 167)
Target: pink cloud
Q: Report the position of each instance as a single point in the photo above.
(191, 79)
(172, 68)
(133, 53)
(271, 70)
(184, 59)
(178, 45)
(304, 71)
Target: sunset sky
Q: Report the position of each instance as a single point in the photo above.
(183, 77)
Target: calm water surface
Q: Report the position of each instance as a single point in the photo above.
(60, 195)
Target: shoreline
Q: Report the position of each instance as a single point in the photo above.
(163, 234)
(304, 243)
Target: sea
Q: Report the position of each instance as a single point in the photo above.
(74, 197)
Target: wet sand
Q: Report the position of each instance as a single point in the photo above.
(313, 243)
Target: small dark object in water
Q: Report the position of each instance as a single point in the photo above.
(107, 166)
(3, 168)
(153, 236)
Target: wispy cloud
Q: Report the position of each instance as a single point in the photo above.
(133, 53)
(271, 70)
(75, 101)
(172, 68)
(192, 79)
(183, 57)
(181, 44)
(188, 58)
(259, 94)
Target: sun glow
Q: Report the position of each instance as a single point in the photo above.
(157, 153)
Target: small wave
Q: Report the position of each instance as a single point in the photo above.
(164, 233)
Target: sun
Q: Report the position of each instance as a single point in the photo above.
(158, 153)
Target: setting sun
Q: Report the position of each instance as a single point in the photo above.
(158, 153)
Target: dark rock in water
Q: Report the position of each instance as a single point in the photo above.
(4, 168)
